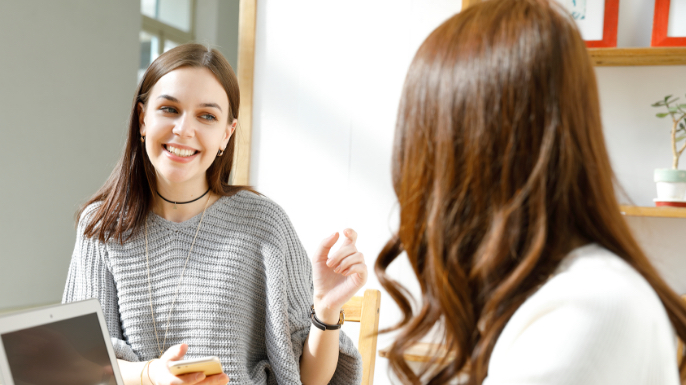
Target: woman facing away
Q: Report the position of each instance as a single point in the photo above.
(185, 264)
(509, 217)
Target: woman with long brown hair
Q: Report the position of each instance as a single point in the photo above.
(185, 264)
(509, 218)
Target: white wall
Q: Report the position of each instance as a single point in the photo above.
(327, 83)
(639, 142)
(216, 24)
(67, 77)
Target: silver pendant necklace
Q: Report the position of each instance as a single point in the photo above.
(147, 263)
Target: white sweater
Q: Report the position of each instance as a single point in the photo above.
(596, 321)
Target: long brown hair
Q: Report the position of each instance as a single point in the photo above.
(126, 196)
(500, 169)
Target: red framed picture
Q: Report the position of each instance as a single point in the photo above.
(664, 34)
(597, 20)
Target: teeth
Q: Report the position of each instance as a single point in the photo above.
(180, 152)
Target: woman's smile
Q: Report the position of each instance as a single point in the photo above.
(179, 153)
(185, 125)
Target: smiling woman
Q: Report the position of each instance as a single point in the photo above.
(169, 81)
(186, 129)
(185, 264)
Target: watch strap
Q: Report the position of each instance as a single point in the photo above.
(321, 325)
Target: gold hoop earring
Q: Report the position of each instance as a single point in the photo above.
(220, 153)
(142, 139)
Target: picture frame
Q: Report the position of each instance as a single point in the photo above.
(596, 19)
(662, 28)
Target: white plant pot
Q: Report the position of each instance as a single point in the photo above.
(671, 191)
(671, 184)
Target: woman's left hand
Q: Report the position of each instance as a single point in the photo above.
(337, 275)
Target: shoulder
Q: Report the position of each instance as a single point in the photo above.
(251, 205)
(86, 215)
(593, 316)
(252, 202)
(594, 296)
(254, 211)
(601, 279)
(594, 283)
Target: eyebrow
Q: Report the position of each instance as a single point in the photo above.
(173, 99)
(215, 105)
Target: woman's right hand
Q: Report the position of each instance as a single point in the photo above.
(160, 374)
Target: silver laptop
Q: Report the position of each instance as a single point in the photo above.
(57, 345)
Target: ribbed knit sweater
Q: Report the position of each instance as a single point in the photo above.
(596, 321)
(245, 295)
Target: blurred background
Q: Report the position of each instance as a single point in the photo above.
(68, 73)
(327, 82)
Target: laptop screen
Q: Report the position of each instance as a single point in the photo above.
(71, 351)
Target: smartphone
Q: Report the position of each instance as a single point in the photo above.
(209, 365)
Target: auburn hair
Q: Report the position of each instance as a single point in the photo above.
(500, 170)
(126, 197)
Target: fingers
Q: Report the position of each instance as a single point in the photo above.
(361, 270)
(201, 379)
(347, 249)
(350, 237)
(197, 378)
(349, 261)
(175, 353)
(324, 247)
(190, 379)
(337, 256)
(159, 370)
(216, 379)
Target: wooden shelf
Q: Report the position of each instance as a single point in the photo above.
(421, 352)
(662, 212)
(650, 56)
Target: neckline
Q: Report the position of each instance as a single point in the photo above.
(190, 222)
(575, 254)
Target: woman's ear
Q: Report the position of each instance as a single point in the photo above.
(230, 130)
(141, 118)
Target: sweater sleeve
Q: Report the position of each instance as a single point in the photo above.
(297, 270)
(590, 328)
(89, 277)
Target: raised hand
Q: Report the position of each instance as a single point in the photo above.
(337, 275)
(160, 374)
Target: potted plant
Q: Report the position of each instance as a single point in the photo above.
(671, 182)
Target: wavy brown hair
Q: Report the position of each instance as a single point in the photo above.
(500, 170)
(126, 197)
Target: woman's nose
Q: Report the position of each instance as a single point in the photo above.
(184, 127)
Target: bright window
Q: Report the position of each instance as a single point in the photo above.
(166, 24)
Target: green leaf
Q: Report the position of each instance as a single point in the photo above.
(662, 114)
(658, 104)
(672, 101)
(682, 106)
(667, 98)
(682, 126)
(673, 109)
(681, 137)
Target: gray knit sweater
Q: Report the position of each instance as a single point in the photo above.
(245, 295)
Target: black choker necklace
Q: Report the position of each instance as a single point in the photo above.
(181, 203)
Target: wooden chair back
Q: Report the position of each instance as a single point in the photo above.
(365, 310)
(680, 343)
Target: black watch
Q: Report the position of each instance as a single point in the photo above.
(321, 325)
